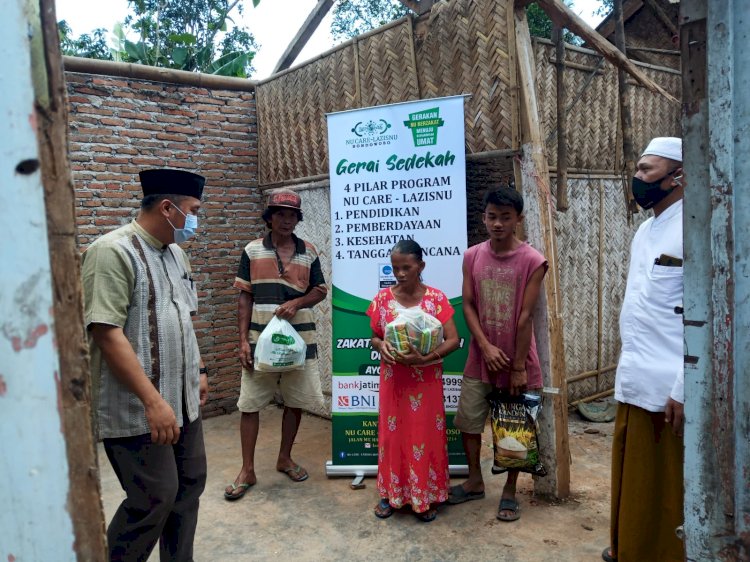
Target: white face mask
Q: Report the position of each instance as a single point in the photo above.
(188, 231)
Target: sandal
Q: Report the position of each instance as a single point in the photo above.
(508, 505)
(383, 510)
(232, 496)
(459, 495)
(427, 516)
(295, 473)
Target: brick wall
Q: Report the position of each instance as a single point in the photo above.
(120, 126)
(482, 177)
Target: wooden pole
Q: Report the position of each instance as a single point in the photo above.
(84, 499)
(157, 74)
(600, 286)
(626, 120)
(309, 26)
(562, 121)
(532, 176)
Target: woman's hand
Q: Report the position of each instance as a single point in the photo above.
(411, 357)
(387, 353)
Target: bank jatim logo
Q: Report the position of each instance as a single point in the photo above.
(343, 401)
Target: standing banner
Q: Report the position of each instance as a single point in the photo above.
(397, 172)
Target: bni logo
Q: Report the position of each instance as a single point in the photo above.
(343, 401)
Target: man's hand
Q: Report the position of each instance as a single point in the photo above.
(204, 389)
(519, 378)
(287, 310)
(495, 358)
(163, 423)
(674, 414)
(246, 355)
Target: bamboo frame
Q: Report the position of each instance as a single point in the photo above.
(592, 398)
(562, 121)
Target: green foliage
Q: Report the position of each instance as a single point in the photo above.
(354, 17)
(191, 35)
(541, 26)
(605, 7)
(92, 46)
(183, 35)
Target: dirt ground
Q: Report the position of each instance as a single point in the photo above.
(323, 519)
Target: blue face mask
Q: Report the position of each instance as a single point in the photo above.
(188, 231)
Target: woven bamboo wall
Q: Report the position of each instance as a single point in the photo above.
(316, 228)
(466, 50)
(461, 49)
(294, 107)
(582, 251)
(592, 132)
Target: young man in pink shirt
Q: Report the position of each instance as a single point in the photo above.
(502, 280)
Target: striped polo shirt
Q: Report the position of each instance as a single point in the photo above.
(271, 283)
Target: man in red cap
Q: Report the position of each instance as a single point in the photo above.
(148, 379)
(279, 274)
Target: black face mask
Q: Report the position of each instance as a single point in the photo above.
(648, 194)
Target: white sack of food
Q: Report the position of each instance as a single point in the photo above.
(279, 348)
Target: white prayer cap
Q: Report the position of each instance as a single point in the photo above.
(666, 147)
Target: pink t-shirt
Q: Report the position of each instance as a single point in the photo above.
(499, 282)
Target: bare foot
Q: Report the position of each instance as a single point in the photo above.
(294, 471)
(244, 480)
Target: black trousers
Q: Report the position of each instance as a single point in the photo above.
(163, 484)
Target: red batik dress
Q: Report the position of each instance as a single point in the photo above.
(412, 443)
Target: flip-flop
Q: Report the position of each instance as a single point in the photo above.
(509, 505)
(459, 495)
(384, 509)
(295, 473)
(231, 496)
(427, 516)
(606, 556)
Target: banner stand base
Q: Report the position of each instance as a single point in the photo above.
(360, 471)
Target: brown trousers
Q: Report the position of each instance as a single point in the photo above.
(647, 488)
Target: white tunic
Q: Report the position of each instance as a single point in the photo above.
(650, 369)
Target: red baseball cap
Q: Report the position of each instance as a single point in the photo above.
(285, 198)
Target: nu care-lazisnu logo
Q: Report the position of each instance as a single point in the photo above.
(424, 126)
(371, 133)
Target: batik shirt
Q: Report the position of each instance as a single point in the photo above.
(133, 281)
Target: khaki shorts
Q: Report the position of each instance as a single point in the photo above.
(299, 389)
(473, 408)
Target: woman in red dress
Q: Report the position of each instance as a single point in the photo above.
(412, 443)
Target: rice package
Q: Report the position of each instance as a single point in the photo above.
(514, 432)
(279, 348)
(414, 326)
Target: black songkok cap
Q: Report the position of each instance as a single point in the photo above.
(165, 181)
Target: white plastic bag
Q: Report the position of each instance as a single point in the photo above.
(414, 326)
(279, 348)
